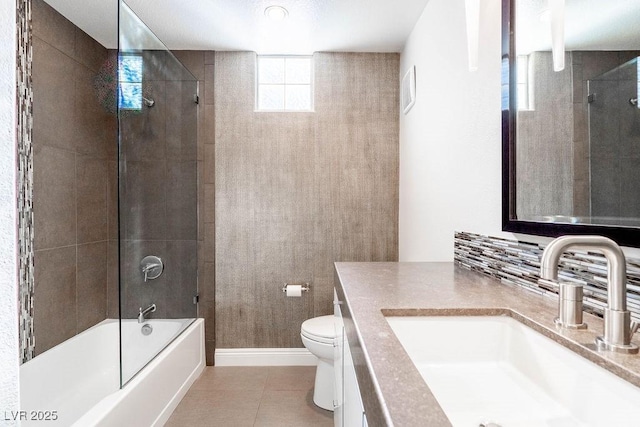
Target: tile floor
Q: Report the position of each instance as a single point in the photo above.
(278, 396)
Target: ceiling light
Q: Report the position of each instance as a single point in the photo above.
(277, 13)
(557, 8)
(472, 11)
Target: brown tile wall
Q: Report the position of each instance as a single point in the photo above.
(158, 191)
(320, 211)
(75, 215)
(297, 191)
(603, 186)
(201, 65)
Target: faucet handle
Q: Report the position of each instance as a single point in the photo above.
(570, 306)
(151, 267)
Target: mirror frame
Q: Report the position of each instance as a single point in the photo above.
(627, 236)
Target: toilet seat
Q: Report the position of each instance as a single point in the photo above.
(320, 329)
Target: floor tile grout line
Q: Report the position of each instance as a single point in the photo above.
(264, 388)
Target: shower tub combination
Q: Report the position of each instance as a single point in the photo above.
(77, 383)
(128, 372)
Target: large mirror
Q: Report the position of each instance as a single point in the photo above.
(571, 118)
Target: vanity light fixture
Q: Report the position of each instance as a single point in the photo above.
(276, 13)
(556, 12)
(472, 11)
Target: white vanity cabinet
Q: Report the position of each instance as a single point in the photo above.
(348, 407)
(338, 365)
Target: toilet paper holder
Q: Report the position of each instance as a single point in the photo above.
(305, 287)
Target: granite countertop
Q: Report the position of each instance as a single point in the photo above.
(393, 392)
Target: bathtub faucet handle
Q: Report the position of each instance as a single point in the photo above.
(145, 270)
(152, 267)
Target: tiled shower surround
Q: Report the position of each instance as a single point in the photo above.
(518, 263)
(74, 182)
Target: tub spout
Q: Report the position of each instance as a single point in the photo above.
(143, 313)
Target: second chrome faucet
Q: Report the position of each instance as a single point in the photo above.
(617, 319)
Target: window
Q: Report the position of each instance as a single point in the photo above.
(525, 101)
(284, 83)
(504, 69)
(130, 82)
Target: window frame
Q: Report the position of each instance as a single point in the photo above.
(285, 110)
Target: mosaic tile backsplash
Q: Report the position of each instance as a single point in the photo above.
(24, 109)
(518, 263)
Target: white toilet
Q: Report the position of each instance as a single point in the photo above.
(318, 335)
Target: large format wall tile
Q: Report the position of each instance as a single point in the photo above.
(181, 199)
(51, 26)
(159, 193)
(92, 131)
(91, 276)
(54, 197)
(92, 199)
(55, 308)
(113, 277)
(614, 139)
(135, 292)
(88, 51)
(295, 192)
(53, 97)
(143, 199)
(143, 135)
(181, 272)
(75, 146)
(182, 120)
(112, 199)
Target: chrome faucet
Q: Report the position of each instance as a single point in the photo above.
(617, 319)
(143, 313)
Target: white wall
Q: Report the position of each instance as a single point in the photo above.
(450, 142)
(9, 387)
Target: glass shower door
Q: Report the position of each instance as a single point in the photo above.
(614, 139)
(157, 125)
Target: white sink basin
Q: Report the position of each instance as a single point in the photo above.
(495, 369)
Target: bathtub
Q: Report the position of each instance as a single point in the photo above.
(77, 383)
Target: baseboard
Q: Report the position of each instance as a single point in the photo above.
(264, 357)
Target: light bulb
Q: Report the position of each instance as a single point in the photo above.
(276, 13)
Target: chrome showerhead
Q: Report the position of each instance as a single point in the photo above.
(148, 102)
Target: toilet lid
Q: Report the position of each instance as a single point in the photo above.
(319, 327)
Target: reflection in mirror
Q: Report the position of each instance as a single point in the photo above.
(576, 142)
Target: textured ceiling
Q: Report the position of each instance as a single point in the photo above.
(340, 25)
(312, 25)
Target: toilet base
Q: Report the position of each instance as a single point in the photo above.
(324, 388)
